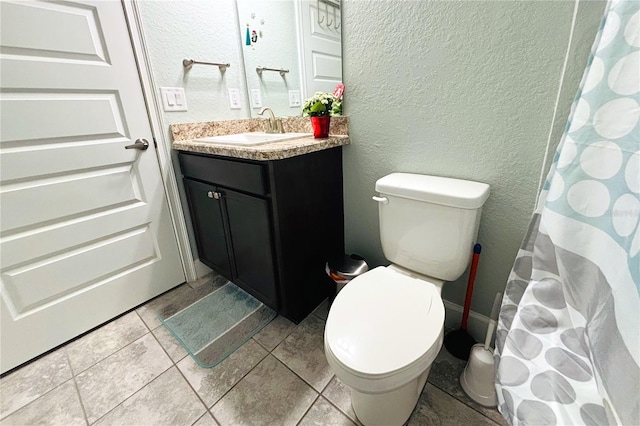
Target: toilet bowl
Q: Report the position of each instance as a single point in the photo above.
(386, 355)
(385, 327)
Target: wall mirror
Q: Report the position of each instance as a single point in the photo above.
(291, 49)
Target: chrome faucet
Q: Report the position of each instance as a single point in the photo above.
(275, 124)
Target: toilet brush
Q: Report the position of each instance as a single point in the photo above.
(459, 342)
(478, 378)
(493, 319)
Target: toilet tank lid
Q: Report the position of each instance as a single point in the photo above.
(464, 194)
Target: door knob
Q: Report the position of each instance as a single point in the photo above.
(140, 144)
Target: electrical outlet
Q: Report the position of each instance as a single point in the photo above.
(256, 98)
(294, 98)
(234, 98)
(173, 98)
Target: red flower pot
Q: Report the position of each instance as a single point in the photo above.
(320, 126)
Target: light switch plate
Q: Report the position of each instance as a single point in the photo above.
(294, 98)
(256, 98)
(234, 98)
(173, 98)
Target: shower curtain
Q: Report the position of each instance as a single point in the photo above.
(568, 339)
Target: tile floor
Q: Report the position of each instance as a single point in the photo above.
(132, 372)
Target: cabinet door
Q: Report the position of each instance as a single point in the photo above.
(250, 231)
(207, 217)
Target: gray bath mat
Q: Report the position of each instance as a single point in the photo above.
(216, 325)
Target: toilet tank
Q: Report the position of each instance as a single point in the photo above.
(429, 224)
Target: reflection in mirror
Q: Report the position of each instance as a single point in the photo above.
(291, 49)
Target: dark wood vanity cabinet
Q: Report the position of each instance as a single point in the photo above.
(269, 226)
(233, 233)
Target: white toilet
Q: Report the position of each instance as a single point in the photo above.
(385, 327)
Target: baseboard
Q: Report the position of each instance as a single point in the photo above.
(201, 268)
(476, 325)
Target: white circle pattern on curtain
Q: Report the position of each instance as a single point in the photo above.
(604, 134)
(546, 373)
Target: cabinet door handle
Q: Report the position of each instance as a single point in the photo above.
(214, 194)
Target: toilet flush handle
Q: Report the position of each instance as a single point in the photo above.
(383, 200)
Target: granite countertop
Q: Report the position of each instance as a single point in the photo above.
(184, 135)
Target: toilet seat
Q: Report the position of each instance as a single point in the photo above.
(384, 326)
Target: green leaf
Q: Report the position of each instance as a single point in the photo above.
(318, 107)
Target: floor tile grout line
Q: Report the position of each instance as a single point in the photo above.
(63, 348)
(287, 335)
(298, 375)
(73, 372)
(268, 352)
(259, 344)
(75, 384)
(307, 410)
(130, 396)
(206, 411)
(289, 368)
(305, 382)
(142, 319)
(331, 402)
(111, 354)
(175, 364)
(214, 417)
(130, 343)
(236, 383)
(328, 383)
(464, 402)
(318, 315)
(39, 397)
(338, 408)
(204, 404)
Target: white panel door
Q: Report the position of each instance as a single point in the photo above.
(321, 45)
(85, 231)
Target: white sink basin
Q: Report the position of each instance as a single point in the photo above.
(253, 138)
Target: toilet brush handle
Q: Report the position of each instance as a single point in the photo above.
(487, 339)
(472, 278)
(492, 320)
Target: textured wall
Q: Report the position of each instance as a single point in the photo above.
(202, 30)
(205, 31)
(460, 89)
(587, 19)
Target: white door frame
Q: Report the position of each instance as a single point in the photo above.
(301, 60)
(158, 127)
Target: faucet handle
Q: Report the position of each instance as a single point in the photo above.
(270, 120)
(274, 125)
(278, 128)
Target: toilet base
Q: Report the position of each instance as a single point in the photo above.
(389, 408)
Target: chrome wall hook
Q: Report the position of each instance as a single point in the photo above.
(334, 5)
(320, 18)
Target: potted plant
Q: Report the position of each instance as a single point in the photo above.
(320, 107)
